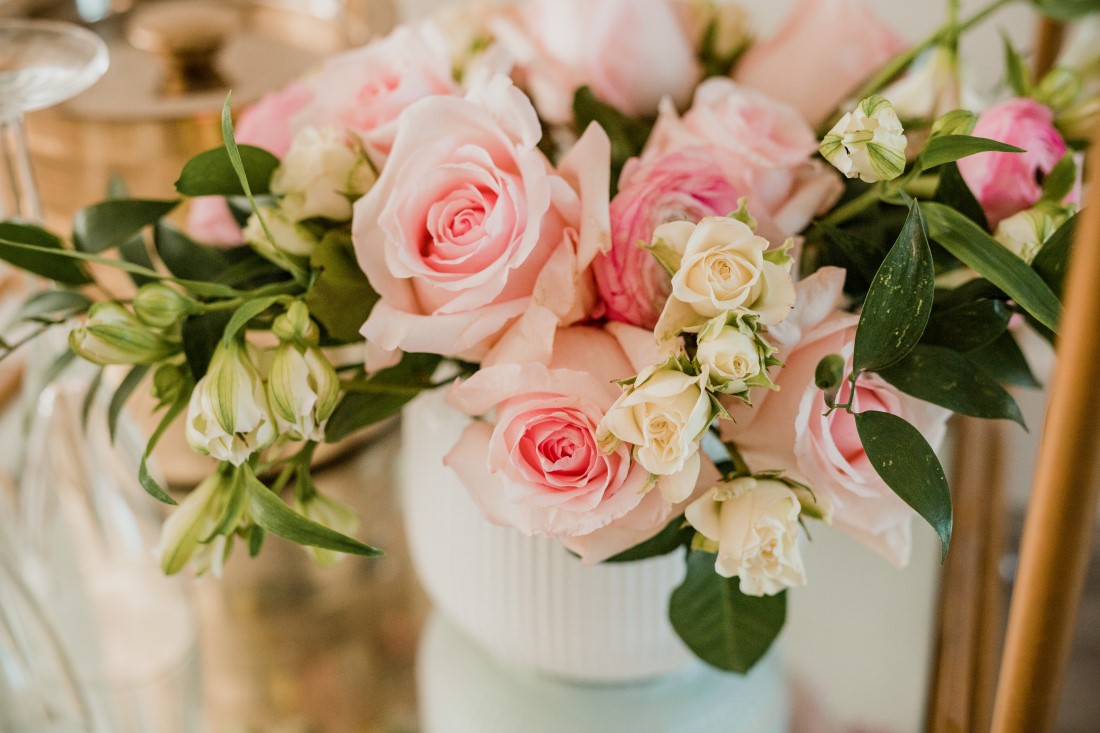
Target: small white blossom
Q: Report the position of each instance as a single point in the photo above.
(321, 175)
(114, 335)
(733, 355)
(286, 236)
(755, 523)
(193, 521)
(867, 143)
(303, 389)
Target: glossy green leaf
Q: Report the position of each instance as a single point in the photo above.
(675, 535)
(240, 318)
(213, 174)
(862, 254)
(114, 222)
(968, 326)
(125, 389)
(721, 625)
(1016, 73)
(340, 298)
(382, 397)
(40, 253)
(1004, 361)
(949, 148)
(186, 258)
(908, 465)
(953, 191)
(1052, 262)
(947, 378)
(269, 512)
(975, 248)
(899, 301)
(1062, 178)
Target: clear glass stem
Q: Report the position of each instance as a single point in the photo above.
(18, 191)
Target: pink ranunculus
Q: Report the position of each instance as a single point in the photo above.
(1006, 183)
(367, 89)
(267, 123)
(632, 53)
(820, 55)
(470, 233)
(682, 185)
(790, 430)
(535, 464)
(763, 146)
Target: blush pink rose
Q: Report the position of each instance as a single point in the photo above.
(789, 429)
(367, 89)
(209, 221)
(632, 53)
(684, 185)
(535, 465)
(820, 55)
(469, 232)
(1006, 183)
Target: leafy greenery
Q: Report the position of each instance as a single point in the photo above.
(1003, 360)
(115, 222)
(1052, 262)
(675, 535)
(213, 173)
(34, 255)
(381, 396)
(953, 191)
(1066, 9)
(125, 389)
(949, 148)
(340, 297)
(628, 135)
(968, 326)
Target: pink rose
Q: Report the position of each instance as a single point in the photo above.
(790, 430)
(267, 123)
(763, 146)
(365, 90)
(683, 185)
(469, 231)
(630, 52)
(1006, 183)
(820, 55)
(536, 466)
(209, 221)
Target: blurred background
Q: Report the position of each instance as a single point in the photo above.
(282, 645)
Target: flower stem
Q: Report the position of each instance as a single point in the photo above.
(855, 207)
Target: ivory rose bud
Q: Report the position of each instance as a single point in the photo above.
(755, 523)
(794, 428)
(327, 513)
(1005, 183)
(684, 185)
(733, 355)
(320, 176)
(468, 229)
(663, 415)
(722, 268)
(228, 416)
(867, 143)
(287, 237)
(823, 51)
(609, 46)
(114, 335)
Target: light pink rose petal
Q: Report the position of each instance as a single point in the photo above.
(209, 221)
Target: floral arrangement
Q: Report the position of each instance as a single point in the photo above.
(697, 290)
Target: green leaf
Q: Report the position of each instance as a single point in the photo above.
(30, 248)
(115, 222)
(1062, 178)
(721, 625)
(953, 191)
(125, 389)
(269, 512)
(213, 173)
(1066, 9)
(969, 326)
(150, 484)
(1015, 70)
(52, 305)
(256, 537)
(393, 389)
(1004, 361)
(675, 535)
(201, 334)
(340, 298)
(908, 465)
(89, 398)
(975, 248)
(1052, 262)
(947, 378)
(899, 301)
(186, 258)
(862, 254)
(949, 148)
(628, 135)
(249, 310)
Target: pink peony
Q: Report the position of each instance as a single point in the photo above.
(535, 464)
(630, 52)
(469, 232)
(683, 185)
(365, 90)
(1006, 183)
(789, 429)
(820, 55)
(267, 123)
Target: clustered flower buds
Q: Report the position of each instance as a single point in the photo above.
(114, 335)
(867, 143)
(302, 385)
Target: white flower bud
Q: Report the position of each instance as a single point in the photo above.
(755, 523)
(159, 306)
(332, 514)
(303, 390)
(733, 355)
(286, 236)
(113, 335)
(1025, 232)
(867, 143)
(321, 175)
(193, 521)
(296, 325)
(228, 416)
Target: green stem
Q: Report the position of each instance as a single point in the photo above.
(369, 387)
(855, 207)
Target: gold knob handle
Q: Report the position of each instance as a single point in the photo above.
(187, 35)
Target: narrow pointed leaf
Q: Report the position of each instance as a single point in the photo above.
(145, 478)
(969, 326)
(40, 253)
(125, 389)
(115, 222)
(953, 191)
(244, 314)
(909, 466)
(949, 148)
(1052, 262)
(1005, 361)
(675, 535)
